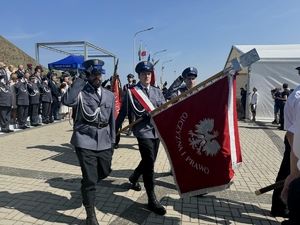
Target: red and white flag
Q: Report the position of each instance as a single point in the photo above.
(200, 136)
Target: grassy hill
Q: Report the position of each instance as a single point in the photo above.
(12, 55)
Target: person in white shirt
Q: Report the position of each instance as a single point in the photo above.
(290, 194)
(253, 103)
(10, 71)
(291, 191)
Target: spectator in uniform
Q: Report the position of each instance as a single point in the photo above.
(6, 101)
(56, 97)
(94, 130)
(147, 138)
(46, 99)
(188, 76)
(14, 80)
(22, 99)
(34, 101)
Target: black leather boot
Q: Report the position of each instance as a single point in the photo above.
(155, 205)
(91, 218)
(134, 180)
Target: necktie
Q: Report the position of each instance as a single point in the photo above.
(146, 91)
(97, 93)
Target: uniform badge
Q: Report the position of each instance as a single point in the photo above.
(145, 63)
(96, 62)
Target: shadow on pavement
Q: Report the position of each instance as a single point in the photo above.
(240, 212)
(109, 202)
(42, 205)
(65, 153)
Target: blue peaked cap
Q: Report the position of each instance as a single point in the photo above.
(190, 71)
(93, 66)
(144, 66)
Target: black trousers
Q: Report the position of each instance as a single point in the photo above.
(34, 113)
(46, 111)
(277, 205)
(148, 149)
(293, 201)
(22, 114)
(54, 109)
(281, 116)
(95, 166)
(5, 112)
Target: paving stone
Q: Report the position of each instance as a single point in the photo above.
(40, 182)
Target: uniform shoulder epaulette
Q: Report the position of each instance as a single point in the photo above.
(155, 87)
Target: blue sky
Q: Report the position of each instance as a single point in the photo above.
(198, 33)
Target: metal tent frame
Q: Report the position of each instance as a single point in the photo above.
(79, 48)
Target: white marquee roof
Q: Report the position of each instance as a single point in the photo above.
(272, 51)
(266, 53)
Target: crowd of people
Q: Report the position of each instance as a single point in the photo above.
(29, 94)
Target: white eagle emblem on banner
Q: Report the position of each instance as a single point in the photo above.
(202, 139)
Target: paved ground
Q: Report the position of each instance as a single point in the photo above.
(40, 182)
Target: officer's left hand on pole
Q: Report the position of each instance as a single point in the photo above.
(146, 115)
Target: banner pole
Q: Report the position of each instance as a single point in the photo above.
(271, 187)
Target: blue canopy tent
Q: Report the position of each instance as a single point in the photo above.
(71, 62)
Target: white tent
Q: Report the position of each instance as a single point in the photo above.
(276, 66)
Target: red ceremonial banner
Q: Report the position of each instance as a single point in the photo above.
(200, 136)
(116, 89)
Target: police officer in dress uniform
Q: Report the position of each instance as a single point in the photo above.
(46, 99)
(130, 114)
(188, 76)
(94, 130)
(56, 97)
(34, 101)
(147, 138)
(6, 101)
(22, 99)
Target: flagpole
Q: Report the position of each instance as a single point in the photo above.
(134, 45)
